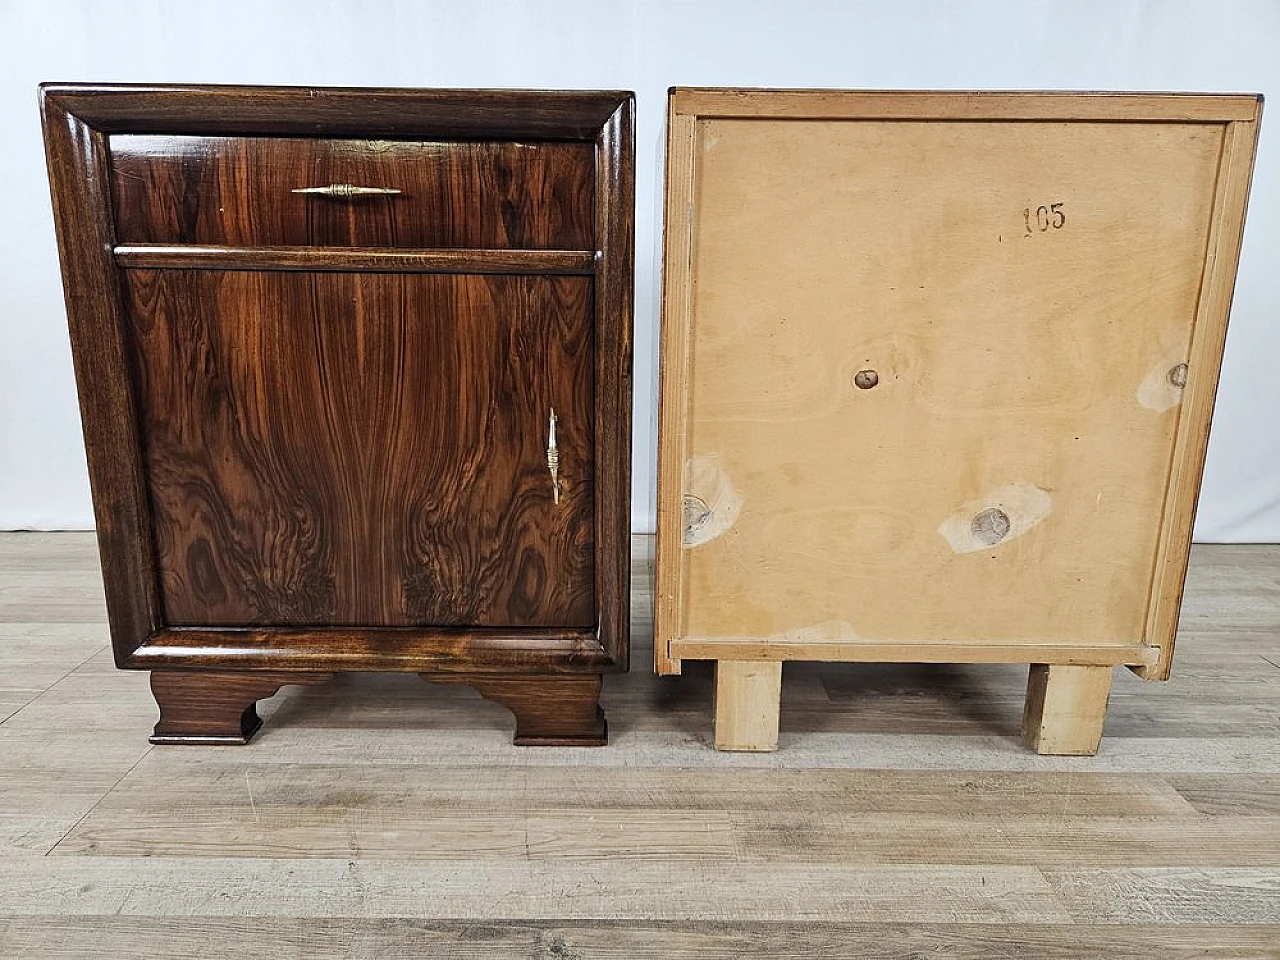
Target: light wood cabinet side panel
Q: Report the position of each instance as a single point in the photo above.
(1024, 294)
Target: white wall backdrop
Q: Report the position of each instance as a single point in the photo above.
(646, 46)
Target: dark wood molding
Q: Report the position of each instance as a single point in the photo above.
(377, 648)
(370, 259)
(77, 162)
(549, 711)
(615, 184)
(214, 110)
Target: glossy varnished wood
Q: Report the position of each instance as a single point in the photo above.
(615, 165)
(372, 259)
(320, 422)
(366, 450)
(78, 179)
(549, 711)
(237, 191)
(525, 650)
(208, 709)
(223, 109)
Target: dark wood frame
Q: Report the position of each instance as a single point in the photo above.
(77, 121)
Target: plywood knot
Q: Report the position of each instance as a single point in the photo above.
(710, 503)
(990, 526)
(1001, 515)
(1161, 389)
(696, 515)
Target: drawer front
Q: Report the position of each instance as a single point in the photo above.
(239, 191)
(351, 449)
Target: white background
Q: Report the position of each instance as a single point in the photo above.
(645, 46)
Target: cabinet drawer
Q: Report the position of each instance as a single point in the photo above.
(240, 191)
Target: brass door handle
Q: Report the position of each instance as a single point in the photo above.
(553, 457)
(345, 191)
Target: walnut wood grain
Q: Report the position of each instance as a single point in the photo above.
(201, 709)
(615, 162)
(237, 191)
(549, 711)
(547, 650)
(366, 449)
(372, 259)
(325, 449)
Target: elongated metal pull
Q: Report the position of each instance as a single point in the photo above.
(553, 457)
(345, 191)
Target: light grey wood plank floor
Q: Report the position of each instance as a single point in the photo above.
(379, 816)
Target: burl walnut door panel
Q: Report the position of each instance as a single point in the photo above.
(366, 449)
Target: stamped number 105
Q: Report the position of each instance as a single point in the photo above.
(1043, 218)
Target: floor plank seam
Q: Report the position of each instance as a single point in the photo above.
(41, 694)
(15, 710)
(97, 803)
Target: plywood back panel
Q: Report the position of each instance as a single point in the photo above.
(928, 374)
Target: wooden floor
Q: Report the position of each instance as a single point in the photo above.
(380, 816)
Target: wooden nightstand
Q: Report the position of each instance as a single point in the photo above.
(937, 377)
(355, 376)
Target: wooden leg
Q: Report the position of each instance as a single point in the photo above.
(206, 708)
(748, 695)
(550, 711)
(1066, 707)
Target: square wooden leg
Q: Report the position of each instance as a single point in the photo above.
(1066, 707)
(748, 695)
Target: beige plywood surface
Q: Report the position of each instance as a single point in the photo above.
(1004, 480)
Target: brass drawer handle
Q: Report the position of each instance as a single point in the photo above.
(345, 191)
(553, 457)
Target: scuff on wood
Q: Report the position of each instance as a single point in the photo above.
(818, 632)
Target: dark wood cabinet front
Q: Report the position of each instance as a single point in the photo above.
(355, 399)
(364, 449)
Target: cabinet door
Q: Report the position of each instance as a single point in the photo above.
(366, 449)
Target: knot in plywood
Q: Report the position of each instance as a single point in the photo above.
(711, 504)
(990, 526)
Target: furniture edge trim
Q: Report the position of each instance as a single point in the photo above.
(675, 330)
(371, 259)
(981, 105)
(614, 306)
(370, 649)
(912, 651)
(76, 155)
(331, 111)
(1204, 364)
